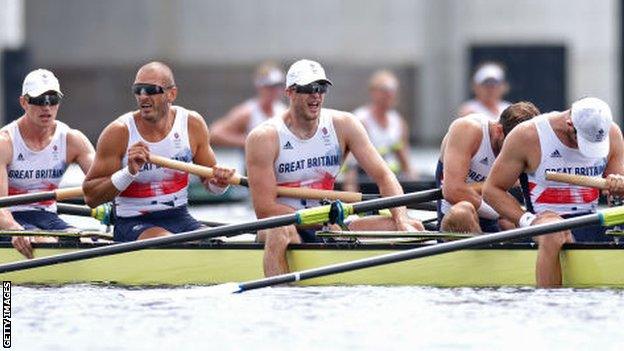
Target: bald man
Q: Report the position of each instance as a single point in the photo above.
(151, 201)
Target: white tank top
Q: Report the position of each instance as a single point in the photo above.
(386, 140)
(312, 163)
(482, 161)
(156, 188)
(475, 106)
(555, 156)
(258, 116)
(36, 171)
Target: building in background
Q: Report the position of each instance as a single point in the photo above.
(555, 51)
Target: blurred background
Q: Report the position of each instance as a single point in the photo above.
(555, 51)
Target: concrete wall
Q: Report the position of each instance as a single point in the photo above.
(214, 44)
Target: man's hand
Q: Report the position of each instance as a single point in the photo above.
(22, 244)
(220, 178)
(138, 155)
(615, 185)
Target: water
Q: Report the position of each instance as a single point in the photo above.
(84, 317)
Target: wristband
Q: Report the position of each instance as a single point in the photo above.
(486, 211)
(526, 219)
(217, 190)
(122, 178)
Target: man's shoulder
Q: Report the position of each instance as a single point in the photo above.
(472, 121)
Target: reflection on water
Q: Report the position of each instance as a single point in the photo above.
(84, 317)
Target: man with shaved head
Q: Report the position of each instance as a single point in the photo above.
(151, 201)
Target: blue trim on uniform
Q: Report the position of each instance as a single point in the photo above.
(308, 235)
(175, 220)
(40, 219)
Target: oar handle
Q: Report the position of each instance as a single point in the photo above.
(192, 168)
(593, 182)
(298, 193)
(68, 193)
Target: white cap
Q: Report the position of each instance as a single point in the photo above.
(272, 77)
(40, 81)
(489, 71)
(304, 72)
(592, 119)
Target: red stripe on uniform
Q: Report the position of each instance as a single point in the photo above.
(164, 187)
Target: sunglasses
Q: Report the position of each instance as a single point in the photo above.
(44, 100)
(148, 89)
(312, 88)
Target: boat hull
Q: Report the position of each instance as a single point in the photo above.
(503, 265)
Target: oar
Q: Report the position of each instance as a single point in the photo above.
(593, 182)
(299, 193)
(57, 194)
(315, 215)
(607, 217)
(103, 213)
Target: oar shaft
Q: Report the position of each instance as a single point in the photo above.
(58, 194)
(192, 168)
(593, 182)
(477, 241)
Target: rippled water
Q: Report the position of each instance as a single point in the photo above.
(84, 317)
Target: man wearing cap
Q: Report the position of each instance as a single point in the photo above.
(489, 87)
(232, 129)
(386, 128)
(581, 141)
(35, 151)
(305, 148)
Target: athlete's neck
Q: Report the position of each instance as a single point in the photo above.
(266, 106)
(35, 136)
(380, 114)
(491, 105)
(496, 137)
(157, 129)
(300, 126)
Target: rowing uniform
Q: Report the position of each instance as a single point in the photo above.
(158, 196)
(37, 171)
(476, 106)
(258, 116)
(565, 199)
(311, 163)
(387, 140)
(480, 166)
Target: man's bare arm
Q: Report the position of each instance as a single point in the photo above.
(80, 150)
(260, 153)
(230, 130)
(200, 141)
(462, 142)
(6, 154)
(356, 140)
(615, 163)
(98, 187)
(507, 168)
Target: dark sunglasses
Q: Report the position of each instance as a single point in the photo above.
(44, 100)
(312, 88)
(147, 89)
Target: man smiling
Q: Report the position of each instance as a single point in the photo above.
(304, 147)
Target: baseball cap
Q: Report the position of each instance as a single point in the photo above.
(39, 81)
(489, 72)
(304, 72)
(592, 119)
(273, 76)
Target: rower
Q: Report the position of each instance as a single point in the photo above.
(304, 147)
(232, 129)
(386, 128)
(35, 151)
(489, 87)
(582, 140)
(151, 201)
(467, 153)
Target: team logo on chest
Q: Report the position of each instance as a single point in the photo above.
(325, 136)
(55, 153)
(288, 146)
(177, 142)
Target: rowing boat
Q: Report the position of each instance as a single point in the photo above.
(583, 265)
